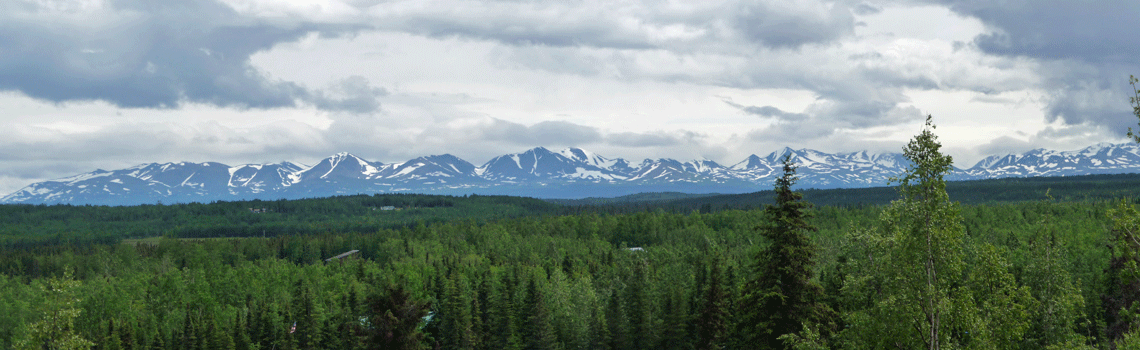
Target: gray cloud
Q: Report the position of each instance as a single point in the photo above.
(543, 133)
(824, 120)
(31, 154)
(353, 94)
(1004, 145)
(1091, 31)
(633, 139)
(791, 133)
(624, 25)
(139, 142)
(784, 24)
(769, 112)
(144, 53)
(863, 114)
(1085, 48)
(864, 9)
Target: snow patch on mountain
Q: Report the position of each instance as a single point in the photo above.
(567, 173)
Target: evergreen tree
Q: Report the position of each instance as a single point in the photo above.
(712, 321)
(395, 321)
(782, 295)
(538, 333)
(349, 330)
(674, 335)
(616, 323)
(112, 341)
(455, 315)
(190, 339)
(158, 342)
(483, 312)
(262, 331)
(502, 316)
(638, 309)
(600, 338)
(1122, 292)
(128, 336)
(1051, 282)
(308, 333)
(240, 331)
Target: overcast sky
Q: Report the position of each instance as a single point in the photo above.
(90, 84)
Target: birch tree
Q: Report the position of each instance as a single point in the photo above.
(928, 233)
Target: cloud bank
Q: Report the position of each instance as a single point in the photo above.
(107, 83)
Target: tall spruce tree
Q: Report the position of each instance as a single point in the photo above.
(538, 333)
(781, 296)
(1121, 299)
(456, 328)
(395, 320)
(676, 316)
(616, 334)
(308, 313)
(712, 319)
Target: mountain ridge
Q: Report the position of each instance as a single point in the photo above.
(538, 172)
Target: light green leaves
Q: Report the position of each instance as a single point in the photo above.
(56, 330)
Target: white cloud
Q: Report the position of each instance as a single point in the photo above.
(262, 80)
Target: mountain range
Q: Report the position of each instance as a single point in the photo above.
(538, 172)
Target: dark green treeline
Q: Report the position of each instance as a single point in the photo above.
(569, 282)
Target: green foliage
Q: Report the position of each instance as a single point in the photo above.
(538, 331)
(1135, 102)
(808, 339)
(1061, 314)
(29, 225)
(921, 297)
(990, 191)
(909, 285)
(1130, 341)
(395, 320)
(1001, 308)
(782, 295)
(712, 321)
(56, 329)
(682, 290)
(1122, 297)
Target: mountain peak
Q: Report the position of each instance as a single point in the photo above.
(567, 173)
(753, 162)
(538, 149)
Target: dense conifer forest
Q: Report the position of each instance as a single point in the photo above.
(1035, 269)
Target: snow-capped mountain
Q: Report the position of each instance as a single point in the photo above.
(1103, 158)
(568, 173)
(154, 182)
(257, 178)
(542, 165)
(431, 169)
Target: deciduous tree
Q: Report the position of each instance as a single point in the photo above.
(56, 330)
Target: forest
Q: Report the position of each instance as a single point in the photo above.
(1050, 270)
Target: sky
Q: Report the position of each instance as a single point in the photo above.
(108, 84)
